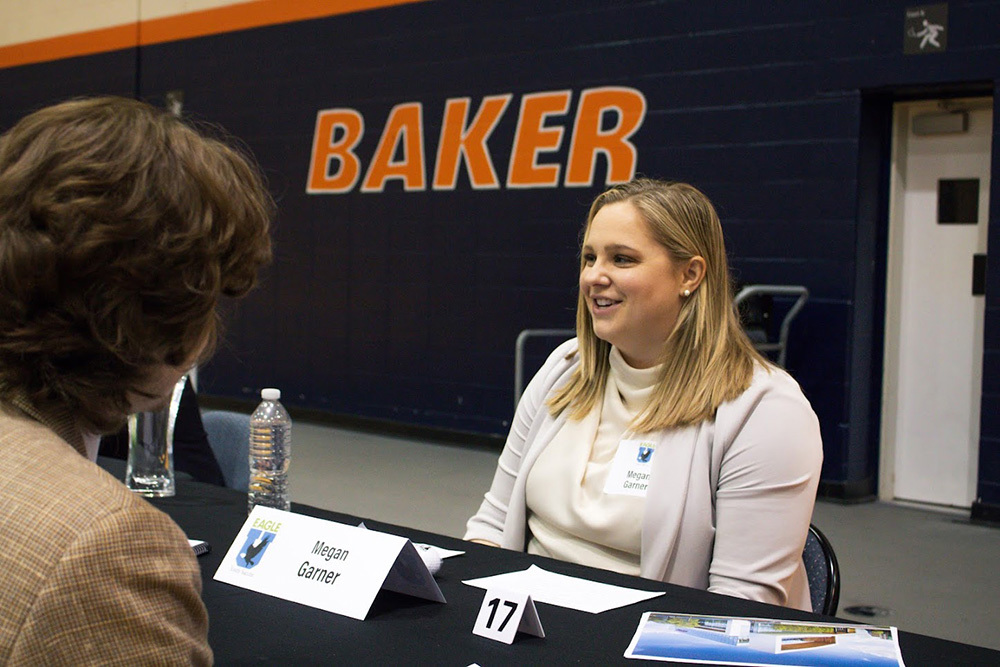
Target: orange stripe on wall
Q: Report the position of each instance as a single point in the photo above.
(67, 46)
(251, 15)
(242, 16)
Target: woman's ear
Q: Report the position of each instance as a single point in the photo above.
(692, 273)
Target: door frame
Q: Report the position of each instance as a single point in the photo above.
(892, 270)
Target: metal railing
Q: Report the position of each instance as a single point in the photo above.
(780, 346)
(522, 338)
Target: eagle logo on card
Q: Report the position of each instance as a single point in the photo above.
(644, 455)
(253, 549)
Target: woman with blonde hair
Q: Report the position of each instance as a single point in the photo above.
(658, 442)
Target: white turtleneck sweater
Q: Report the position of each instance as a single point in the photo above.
(570, 517)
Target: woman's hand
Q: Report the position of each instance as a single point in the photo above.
(486, 542)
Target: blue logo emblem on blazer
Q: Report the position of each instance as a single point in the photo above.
(645, 454)
(253, 549)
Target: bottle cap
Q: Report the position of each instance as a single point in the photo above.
(270, 394)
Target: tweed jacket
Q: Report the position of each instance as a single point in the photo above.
(729, 500)
(91, 573)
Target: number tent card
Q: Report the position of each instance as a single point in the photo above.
(505, 613)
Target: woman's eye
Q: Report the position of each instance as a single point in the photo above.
(588, 258)
(623, 259)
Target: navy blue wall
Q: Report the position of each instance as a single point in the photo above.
(30, 87)
(987, 505)
(404, 306)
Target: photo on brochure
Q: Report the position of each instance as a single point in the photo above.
(729, 640)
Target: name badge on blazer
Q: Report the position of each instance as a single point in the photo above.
(631, 468)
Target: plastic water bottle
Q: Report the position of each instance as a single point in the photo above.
(270, 453)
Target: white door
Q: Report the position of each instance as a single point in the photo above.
(934, 323)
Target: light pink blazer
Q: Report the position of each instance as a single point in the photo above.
(729, 501)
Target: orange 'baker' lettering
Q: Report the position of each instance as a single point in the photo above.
(532, 138)
(605, 120)
(327, 147)
(458, 140)
(405, 124)
(589, 139)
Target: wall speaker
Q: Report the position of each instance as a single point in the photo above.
(949, 122)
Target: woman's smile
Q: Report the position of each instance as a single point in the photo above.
(631, 284)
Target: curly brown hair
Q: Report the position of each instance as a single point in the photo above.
(120, 228)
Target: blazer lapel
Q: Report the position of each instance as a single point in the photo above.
(666, 500)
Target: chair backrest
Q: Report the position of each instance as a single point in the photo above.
(823, 572)
(229, 436)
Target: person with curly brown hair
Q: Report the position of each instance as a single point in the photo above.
(121, 227)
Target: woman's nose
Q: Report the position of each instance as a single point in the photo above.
(594, 274)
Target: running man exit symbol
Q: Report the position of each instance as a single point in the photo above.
(925, 29)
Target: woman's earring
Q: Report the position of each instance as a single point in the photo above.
(687, 293)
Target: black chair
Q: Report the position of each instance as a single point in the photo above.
(823, 572)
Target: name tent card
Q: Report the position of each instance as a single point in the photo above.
(323, 564)
(505, 613)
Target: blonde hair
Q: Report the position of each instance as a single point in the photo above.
(707, 358)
